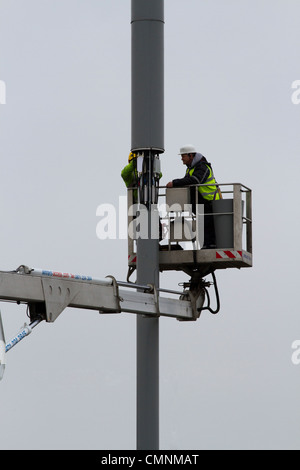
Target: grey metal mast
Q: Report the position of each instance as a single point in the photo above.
(147, 139)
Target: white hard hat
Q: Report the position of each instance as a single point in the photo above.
(187, 149)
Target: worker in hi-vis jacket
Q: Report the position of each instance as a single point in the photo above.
(129, 172)
(199, 171)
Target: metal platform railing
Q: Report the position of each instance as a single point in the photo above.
(182, 221)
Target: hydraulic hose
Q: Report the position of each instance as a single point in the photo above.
(217, 297)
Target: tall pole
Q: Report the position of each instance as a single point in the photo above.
(147, 140)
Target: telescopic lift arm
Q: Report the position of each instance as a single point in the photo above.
(48, 293)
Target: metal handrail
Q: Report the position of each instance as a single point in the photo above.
(235, 191)
(210, 184)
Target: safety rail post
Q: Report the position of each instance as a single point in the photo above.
(249, 220)
(237, 217)
(130, 236)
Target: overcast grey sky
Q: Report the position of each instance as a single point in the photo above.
(226, 381)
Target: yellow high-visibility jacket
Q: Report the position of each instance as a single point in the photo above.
(200, 172)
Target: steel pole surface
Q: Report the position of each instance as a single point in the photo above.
(147, 136)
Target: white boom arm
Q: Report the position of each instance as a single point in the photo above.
(48, 293)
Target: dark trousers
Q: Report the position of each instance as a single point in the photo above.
(209, 226)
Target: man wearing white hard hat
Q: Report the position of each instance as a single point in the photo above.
(199, 171)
